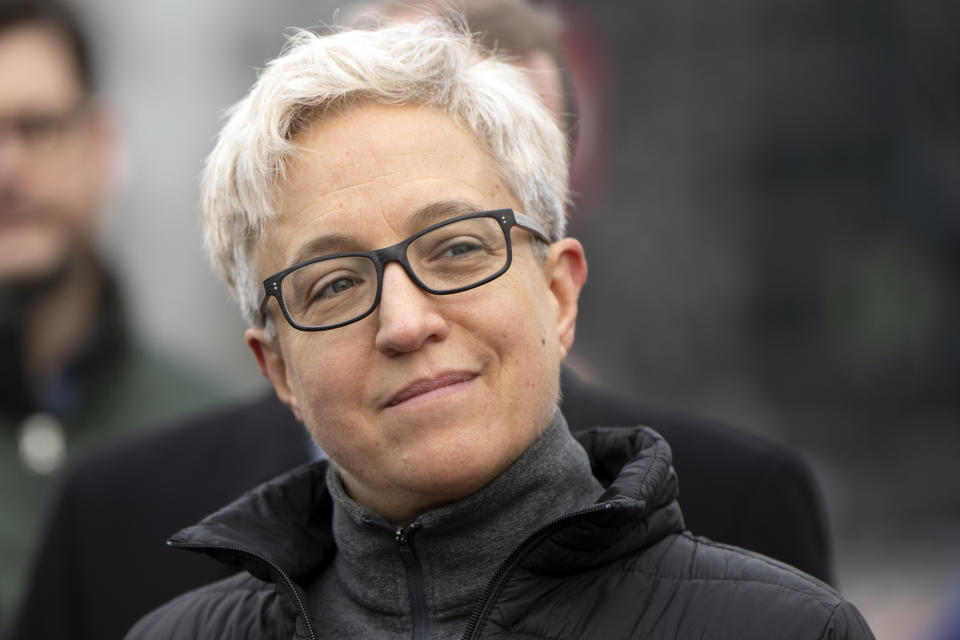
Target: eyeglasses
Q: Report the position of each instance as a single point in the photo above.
(449, 257)
(42, 132)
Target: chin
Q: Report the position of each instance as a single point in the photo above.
(31, 260)
(459, 468)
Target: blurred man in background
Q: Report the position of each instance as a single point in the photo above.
(69, 374)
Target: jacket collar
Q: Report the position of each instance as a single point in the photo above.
(285, 524)
(282, 524)
(637, 509)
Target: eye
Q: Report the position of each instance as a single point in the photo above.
(460, 248)
(39, 129)
(333, 287)
(338, 286)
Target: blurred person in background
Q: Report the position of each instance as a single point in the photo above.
(116, 506)
(70, 374)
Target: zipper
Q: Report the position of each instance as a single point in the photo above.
(480, 610)
(403, 537)
(289, 583)
(421, 619)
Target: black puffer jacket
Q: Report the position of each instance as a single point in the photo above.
(623, 568)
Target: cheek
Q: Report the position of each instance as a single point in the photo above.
(68, 199)
(529, 328)
(327, 378)
(32, 251)
(327, 391)
(546, 342)
(540, 314)
(77, 178)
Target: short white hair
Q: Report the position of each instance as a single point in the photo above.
(433, 62)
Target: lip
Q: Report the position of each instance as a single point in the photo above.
(435, 387)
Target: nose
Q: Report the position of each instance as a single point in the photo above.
(408, 315)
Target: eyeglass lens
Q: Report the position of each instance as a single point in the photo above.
(451, 257)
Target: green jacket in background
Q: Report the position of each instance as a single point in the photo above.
(114, 385)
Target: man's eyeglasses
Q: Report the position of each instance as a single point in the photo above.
(449, 257)
(41, 131)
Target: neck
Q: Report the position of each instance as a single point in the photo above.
(447, 555)
(59, 317)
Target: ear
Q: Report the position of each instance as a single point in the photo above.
(566, 273)
(273, 366)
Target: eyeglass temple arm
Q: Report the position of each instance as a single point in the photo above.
(531, 225)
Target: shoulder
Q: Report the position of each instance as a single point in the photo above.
(116, 503)
(237, 607)
(227, 439)
(172, 474)
(680, 587)
(730, 588)
(687, 557)
(736, 487)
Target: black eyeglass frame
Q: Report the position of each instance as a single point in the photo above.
(508, 218)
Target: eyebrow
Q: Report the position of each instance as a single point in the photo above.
(420, 219)
(323, 245)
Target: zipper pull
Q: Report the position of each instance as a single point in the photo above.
(403, 536)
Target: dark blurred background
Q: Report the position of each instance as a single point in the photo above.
(781, 235)
(771, 215)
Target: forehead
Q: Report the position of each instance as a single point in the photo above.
(36, 70)
(365, 173)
